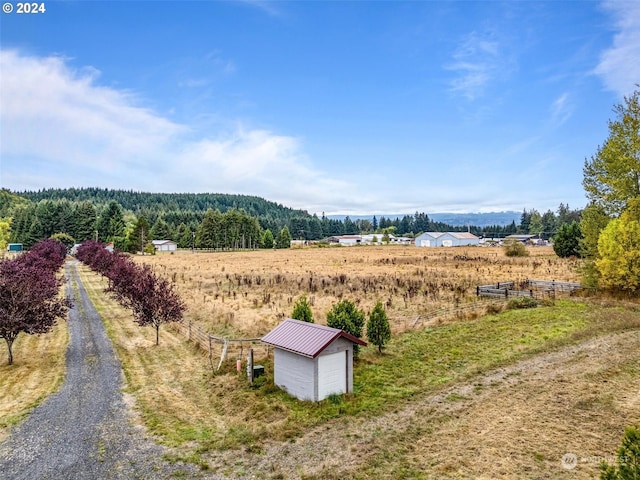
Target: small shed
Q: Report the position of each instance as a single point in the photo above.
(165, 245)
(312, 361)
(14, 247)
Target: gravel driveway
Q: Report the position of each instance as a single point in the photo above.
(84, 431)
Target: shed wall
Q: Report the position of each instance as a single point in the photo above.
(295, 374)
(340, 345)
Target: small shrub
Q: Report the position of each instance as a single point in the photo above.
(522, 302)
(494, 308)
(515, 249)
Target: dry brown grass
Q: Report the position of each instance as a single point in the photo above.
(245, 294)
(38, 370)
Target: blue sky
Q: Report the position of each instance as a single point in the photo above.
(338, 107)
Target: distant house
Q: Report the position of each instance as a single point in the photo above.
(312, 361)
(165, 245)
(446, 239)
(346, 240)
(526, 239)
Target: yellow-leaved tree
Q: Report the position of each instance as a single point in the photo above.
(619, 250)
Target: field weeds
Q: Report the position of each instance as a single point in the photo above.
(245, 294)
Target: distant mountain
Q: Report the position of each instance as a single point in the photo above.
(453, 219)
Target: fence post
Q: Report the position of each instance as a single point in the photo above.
(506, 293)
(250, 365)
(478, 291)
(210, 352)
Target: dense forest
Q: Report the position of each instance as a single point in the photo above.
(132, 219)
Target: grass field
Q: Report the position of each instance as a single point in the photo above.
(215, 418)
(245, 294)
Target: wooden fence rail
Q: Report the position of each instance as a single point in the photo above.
(537, 289)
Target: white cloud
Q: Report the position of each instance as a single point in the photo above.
(475, 62)
(60, 128)
(619, 65)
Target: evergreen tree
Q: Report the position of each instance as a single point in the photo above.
(344, 315)
(302, 310)
(160, 230)
(283, 240)
(566, 242)
(628, 464)
(267, 239)
(378, 328)
(85, 222)
(111, 223)
(139, 236)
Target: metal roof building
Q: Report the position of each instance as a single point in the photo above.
(312, 361)
(446, 239)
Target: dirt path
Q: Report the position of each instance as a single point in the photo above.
(515, 422)
(84, 431)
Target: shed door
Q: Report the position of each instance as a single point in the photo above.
(332, 374)
(425, 243)
(447, 243)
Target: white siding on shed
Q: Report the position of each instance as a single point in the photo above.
(332, 374)
(294, 374)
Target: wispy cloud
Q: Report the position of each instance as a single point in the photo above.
(61, 128)
(267, 6)
(475, 63)
(561, 109)
(619, 65)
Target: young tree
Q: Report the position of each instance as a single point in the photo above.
(284, 238)
(346, 316)
(566, 242)
(302, 310)
(612, 176)
(29, 293)
(378, 328)
(267, 239)
(152, 299)
(628, 467)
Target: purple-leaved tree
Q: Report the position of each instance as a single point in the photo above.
(152, 299)
(29, 293)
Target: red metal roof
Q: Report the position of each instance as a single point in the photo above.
(303, 338)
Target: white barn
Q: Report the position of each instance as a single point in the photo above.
(312, 361)
(446, 239)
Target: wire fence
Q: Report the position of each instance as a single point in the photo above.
(220, 349)
(488, 297)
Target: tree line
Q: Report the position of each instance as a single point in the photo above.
(72, 217)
